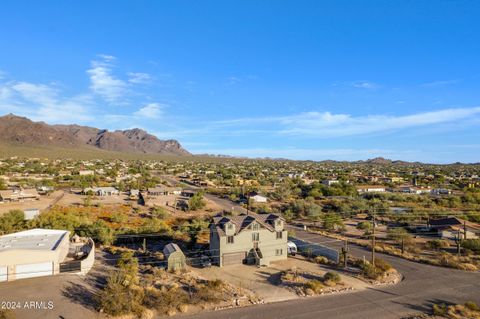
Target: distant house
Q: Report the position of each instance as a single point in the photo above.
(450, 227)
(254, 239)
(259, 199)
(31, 213)
(441, 191)
(134, 193)
(164, 191)
(19, 195)
(188, 193)
(330, 182)
(102, 191)
(45, 189)
(362, 189)
(86, 172)
(174, 256)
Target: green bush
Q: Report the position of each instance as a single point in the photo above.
(472, 306)
(437, 244)
(332, 276)
(315, 285)
(12, 221)
(6, 314)
(471, 244)
(439, 310)
(118, 299)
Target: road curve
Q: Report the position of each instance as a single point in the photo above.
(422, 285)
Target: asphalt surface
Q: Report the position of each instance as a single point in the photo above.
(422, 285)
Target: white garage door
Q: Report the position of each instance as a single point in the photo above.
(233, 259)
(3, 273)
(34, 270)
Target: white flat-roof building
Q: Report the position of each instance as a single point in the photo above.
(32, 253)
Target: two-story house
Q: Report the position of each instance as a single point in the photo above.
(250, 238)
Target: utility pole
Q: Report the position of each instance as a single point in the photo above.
(373, 242)
(345, 253)
(457, 241)
(403, 245)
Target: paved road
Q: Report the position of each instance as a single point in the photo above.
(422, 285)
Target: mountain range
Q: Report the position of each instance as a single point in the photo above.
(17, 130)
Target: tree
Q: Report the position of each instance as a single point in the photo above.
(196, 202)
(98, 231)
(128, 268)
(332, 221)
(12, 221)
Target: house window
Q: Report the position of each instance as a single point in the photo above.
(255, 236)
(255, 226)
(230, 226)
(279, 235)
(278, 252)
(230, 240)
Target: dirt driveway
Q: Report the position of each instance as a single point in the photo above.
(264, 281)
(72, 296)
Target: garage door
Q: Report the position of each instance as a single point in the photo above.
(34, 270)
(3, 273)
(233, 259)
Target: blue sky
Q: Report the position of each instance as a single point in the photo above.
(296, 79)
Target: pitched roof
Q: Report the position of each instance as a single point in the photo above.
(170, 248)
(243, 221)
(453, 221)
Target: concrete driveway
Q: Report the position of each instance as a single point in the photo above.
(264, 281)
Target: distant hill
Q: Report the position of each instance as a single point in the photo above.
(21, 131)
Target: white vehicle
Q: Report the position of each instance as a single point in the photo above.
(291, 248)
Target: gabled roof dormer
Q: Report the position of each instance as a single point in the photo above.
(229, 228)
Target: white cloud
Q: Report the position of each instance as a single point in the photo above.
(138, 77)
(43, 102)
(151, 111)
(327, 124)
(439, 83)
(103, 82)
(365, 85)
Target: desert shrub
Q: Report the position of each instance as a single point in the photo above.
(128, 268)
(6, 314)
(332, 276)
(212, 291)
(118, 299)
(165, 300)
(467, 267)
(471, 244)
(321, 260)
(472, 306)
(382, 265)
(159, 212)
(314, 285)
(439, 310)
(365, 226)
(119, 217)
(437, 244)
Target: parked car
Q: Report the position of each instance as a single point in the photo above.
(291, 248)
(205, 262)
